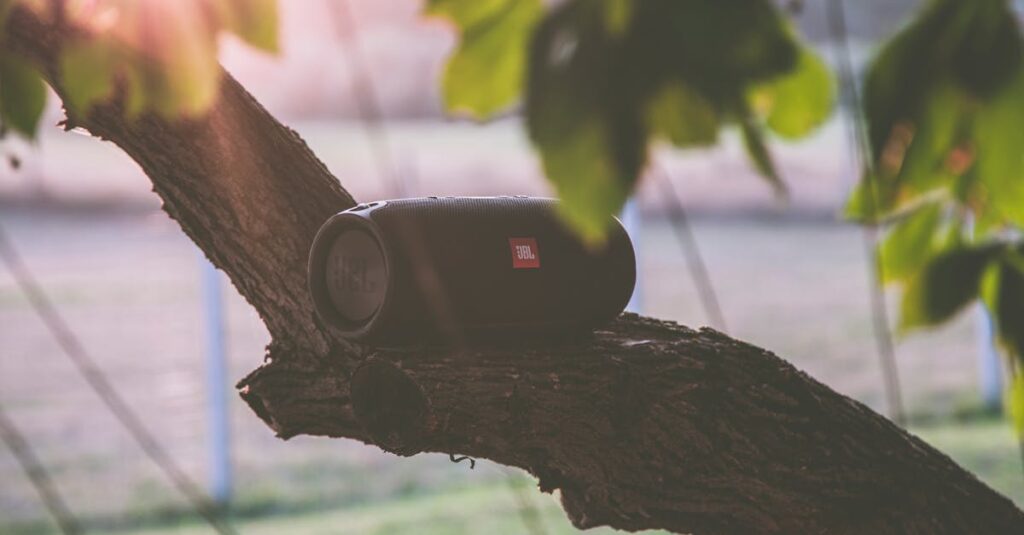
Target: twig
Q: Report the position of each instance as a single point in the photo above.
(857, 131)
(38, 475)
(691, 252)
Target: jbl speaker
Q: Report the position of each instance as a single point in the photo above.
(403, 271)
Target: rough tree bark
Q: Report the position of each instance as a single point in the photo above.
(644, 424)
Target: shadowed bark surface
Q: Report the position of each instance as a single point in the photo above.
(644, 424)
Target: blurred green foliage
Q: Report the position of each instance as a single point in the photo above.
(485, 73)
(161, 56)
(22, 92)
(606, 78)
(945, 285)
(22, 95)
(944, 103)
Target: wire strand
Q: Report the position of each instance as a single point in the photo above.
(88, 368)
(38, 476)
(687, 242)
(367, 105)
(857, 132)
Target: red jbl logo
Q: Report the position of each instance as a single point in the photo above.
(525, 254)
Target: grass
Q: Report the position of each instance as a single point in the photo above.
(488, 508)
(480, 509)
(985, 446)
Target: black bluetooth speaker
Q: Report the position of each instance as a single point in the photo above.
(411, 270)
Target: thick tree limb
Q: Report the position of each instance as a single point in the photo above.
(645, 424)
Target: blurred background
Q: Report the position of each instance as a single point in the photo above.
(793, 278)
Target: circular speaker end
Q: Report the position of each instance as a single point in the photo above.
(356, 275)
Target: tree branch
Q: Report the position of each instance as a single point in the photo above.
(644, 424)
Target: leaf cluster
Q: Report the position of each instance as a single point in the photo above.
(604, 79)
(944, 103)
(159, 56)
(22, 92)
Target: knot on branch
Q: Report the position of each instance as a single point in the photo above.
(390, 406)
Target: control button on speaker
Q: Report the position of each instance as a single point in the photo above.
(356, 275)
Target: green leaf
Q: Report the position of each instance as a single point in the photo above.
(988, 290)
(591, 185)
(915, 166)
(485, 74)
(718, 49)
(1015, 401)
(923, 167)
(999, 153)
(907, 247)
(137, 99)
(618, 15)
(989, 50)
(753, 142)
(946, 285)
(255, 21)
(592, 141)
(598, 89)
(87, 73)
(1009, 304)
(944, 101)
(865, 203)
(682, 116)
(163, 55)
(898, 79)
(875, 200)
(797, 103)
(184, 77)
(22, 95)
(467, 13)
(975, 45)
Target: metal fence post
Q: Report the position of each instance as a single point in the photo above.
(631, 221)
(218, 416)
(990, 368)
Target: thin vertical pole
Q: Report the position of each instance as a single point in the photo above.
(218, 418)
(633, 226)
(990, 367)
(857, 131)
